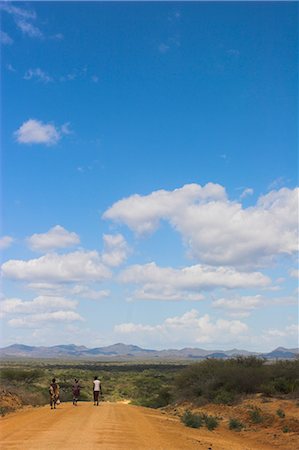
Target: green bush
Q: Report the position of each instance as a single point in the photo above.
(211, 422)
(224, 381)
(192, 420)
(285, 429)
(224, 397)
(20, 375)
(255, 416)
(235, 424)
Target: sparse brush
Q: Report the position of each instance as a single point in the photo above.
(192, 420)
(285, 429)
(211, 422)
(235, 424)
(5, 410)
(280, 413)
(255, 416)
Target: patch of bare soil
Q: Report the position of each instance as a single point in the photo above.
(119, 426)
(9, 401)
(263, 421)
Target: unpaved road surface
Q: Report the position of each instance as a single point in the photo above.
(110, 426)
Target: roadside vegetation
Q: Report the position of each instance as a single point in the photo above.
(212, 381)
(227, 381)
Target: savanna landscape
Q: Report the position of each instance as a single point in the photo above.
(239, 403)
(149, 225)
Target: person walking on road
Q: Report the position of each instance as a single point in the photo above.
(97, 390)
(54, 394)
(76, 391)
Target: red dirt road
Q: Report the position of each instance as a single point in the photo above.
(111, 426)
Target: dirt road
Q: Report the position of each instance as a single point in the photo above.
(111, 426)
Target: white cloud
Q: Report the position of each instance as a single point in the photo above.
(189, 328)
(165, 283)
(6, 242)
(216, 230)
(36, 132)
(143, 213)
(239, 306)
(38, 319)
(246, 192)
(23, 19)
(163, 293)
(85, 292)
(37, 74)
(65, 128)
(82, 291)
(72, 267)
(294, 273)
(115, 249)
(289, 330)
(56, 237)
(17, 11)
(39, 304)
(5, 39)
(28, 28)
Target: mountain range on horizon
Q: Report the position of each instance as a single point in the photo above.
(133, 352)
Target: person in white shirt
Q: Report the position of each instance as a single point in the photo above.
(97, 390)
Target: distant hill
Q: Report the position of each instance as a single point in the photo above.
(133, 352)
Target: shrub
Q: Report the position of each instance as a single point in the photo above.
(211, 422)
(20, 375)
(283, 385)
(5, 410)
(235, 424)
(224, 397)
(255, 416)
(285, 429)
(280, 413)
(191, 420)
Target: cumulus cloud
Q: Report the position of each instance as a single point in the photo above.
(217, 231)
(163, 293)
(36, 132)
(37, 74)
(239, 306)
(56, 237)
(115, 249)
(82, 291)
(165, 283)
(188, 328)
(289, 330)
(86, 292)
(143, 213)
(39, 304)
(72, 267)
(38, 319)
(5, 242)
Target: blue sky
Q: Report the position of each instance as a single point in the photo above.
(150, 174)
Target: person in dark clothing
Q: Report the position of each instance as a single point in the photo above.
(76, 391)
(54, 393)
